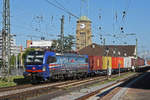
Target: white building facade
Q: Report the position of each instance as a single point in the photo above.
(14, 48)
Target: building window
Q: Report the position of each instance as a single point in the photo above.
(82, 33)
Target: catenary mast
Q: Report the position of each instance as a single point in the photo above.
(6, 38)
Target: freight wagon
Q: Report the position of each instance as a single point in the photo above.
(99, 64)
(117, 64)
(139, 62)
(95, 63)
(127, 63)
(107, 62)
(148, 62)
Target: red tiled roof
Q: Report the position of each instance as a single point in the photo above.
(113, 50)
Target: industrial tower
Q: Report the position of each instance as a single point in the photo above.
(6, 38)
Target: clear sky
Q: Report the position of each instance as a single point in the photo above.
(24, 20)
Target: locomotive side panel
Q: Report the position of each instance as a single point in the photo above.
(70, 66)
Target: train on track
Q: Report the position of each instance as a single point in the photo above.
(45, 65)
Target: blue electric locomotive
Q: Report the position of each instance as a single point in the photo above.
(44, 65)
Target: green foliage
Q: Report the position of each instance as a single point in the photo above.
(6, 83)
(12, 61)
(26, 52)
(56, 45)
(68, 44)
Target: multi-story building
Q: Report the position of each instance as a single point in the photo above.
(14, 48)
(83, 33)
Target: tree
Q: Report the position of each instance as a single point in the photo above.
(68, 44)
(56, 45)
(12, 61)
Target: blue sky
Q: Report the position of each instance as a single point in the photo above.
(24, 19)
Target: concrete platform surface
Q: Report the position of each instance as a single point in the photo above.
(140, 90)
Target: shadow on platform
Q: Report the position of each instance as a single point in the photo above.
(140, 83)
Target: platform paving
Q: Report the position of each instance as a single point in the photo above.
(139, 90)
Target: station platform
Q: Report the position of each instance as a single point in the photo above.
(139, 90)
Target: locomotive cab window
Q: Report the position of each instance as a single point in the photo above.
(51, 59)
(86, 60)
(34, 58)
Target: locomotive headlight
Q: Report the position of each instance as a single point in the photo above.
(44, 68)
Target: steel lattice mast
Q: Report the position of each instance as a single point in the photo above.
(6, 38)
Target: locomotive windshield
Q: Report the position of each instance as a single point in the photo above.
(35, 58)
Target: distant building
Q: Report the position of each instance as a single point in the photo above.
(28, 43)
(83, 33)
(38, 43)
(109, 50)
(14, 48)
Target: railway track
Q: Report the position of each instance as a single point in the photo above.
(100, 93)
(14, 87)
(3, 89)
(23, 92)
